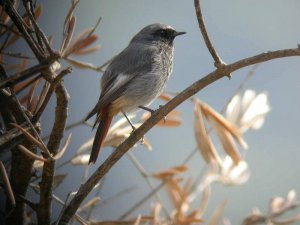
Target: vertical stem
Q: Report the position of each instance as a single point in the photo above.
(61, 113)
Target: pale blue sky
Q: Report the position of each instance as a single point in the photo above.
(238, 29)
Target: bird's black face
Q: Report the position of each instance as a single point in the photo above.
(166, 34)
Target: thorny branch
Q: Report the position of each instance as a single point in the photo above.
(158, 115)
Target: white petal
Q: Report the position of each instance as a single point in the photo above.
(81, 160)
(248, 97)
(258, 123)
(259, 106)
(233, 108)
(238, 170)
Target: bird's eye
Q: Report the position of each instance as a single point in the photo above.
(163, 33)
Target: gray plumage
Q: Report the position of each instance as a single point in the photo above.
(135, 77)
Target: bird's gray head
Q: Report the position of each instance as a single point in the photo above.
(156, 33)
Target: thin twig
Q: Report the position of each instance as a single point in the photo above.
(9, 28)
(31, 21)
(144, 174)
(3, 45)
(68, 27)
(85, 65)
(116, 196)
(30, 124)
(190, 156)
(7, 185)
(12, 134)
(17, 55)
(27, 84)
(53, 85)
(32, 205)
(99, 188)
(19, 178)
(142, 201)
(264, 219)
(39, 33)
(36, 188)
(75, 124)
(22, 27)
(19, 77)
(158, 115)
(218, 61)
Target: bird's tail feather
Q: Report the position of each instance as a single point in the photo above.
(104, 124)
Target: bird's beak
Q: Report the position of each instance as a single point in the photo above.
(178, 33)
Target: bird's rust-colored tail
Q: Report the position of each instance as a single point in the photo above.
(104, 123)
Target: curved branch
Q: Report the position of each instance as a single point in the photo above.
(159, 114)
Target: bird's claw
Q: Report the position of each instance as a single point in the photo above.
(143, 140)
(133, 128)
(165, 117)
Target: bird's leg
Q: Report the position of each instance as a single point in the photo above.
(151, 110)
(147, 109)
(133, 127)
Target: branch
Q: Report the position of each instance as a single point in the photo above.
(21, 165)
(9, 28)
(27, 119)
(18, 77)
(218, 61)
(17, 55)
(41, 37)
(46, 185)
(159, 114)
(22, 27)
(53, 85)
(14, 136)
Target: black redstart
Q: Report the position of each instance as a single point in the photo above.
(134, 78)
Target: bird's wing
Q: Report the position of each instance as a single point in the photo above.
(132, 61)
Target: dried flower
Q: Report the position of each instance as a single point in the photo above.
(229, 173)
(249, 110)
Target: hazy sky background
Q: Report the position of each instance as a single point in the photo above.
(238, 29)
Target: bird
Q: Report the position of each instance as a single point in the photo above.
(134, 78)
